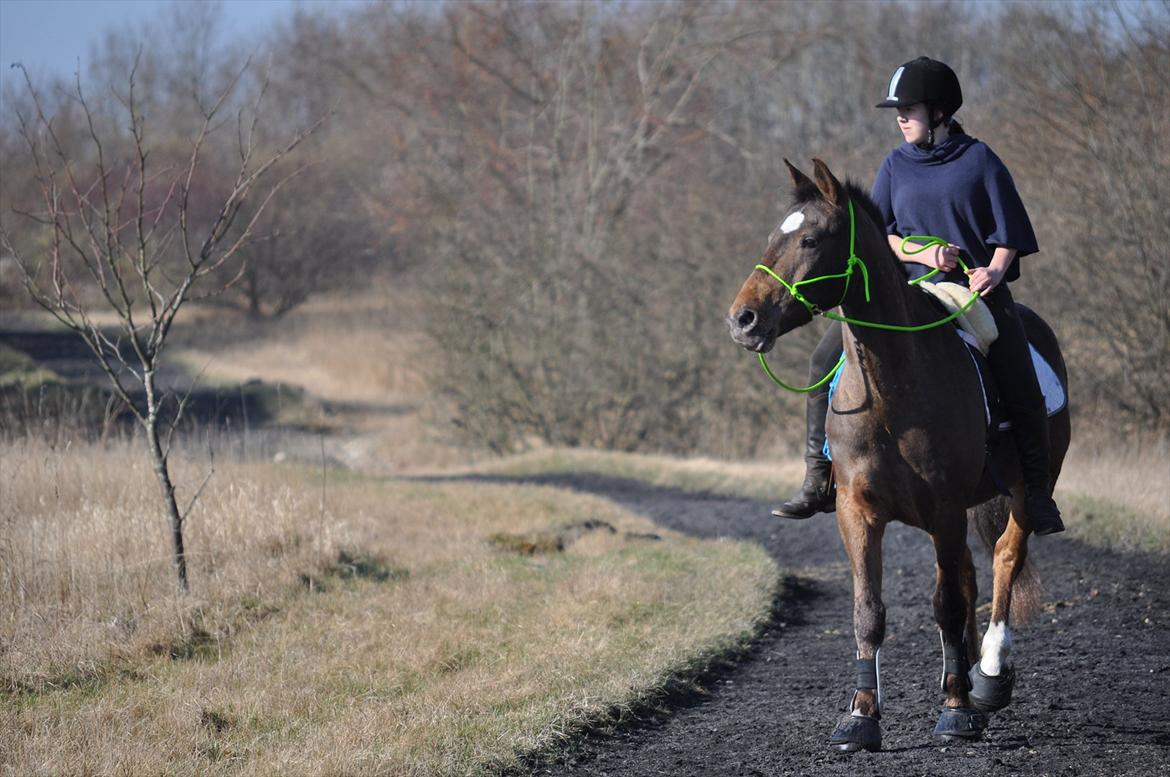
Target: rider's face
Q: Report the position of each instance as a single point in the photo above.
(914, 123)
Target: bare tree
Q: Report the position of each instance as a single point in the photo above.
(122, 234)
(319, 240)
(576, 190)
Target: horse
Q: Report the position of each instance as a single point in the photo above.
(909, 435)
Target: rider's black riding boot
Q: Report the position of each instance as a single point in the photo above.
(1011, 363)
(817, 495)
(1030, 429)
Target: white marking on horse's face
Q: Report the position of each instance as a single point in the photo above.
(794, 220)
(997, 646)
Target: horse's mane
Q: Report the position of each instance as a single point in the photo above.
(860, 196)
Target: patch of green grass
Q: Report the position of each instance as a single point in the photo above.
(358, 565)
(35, 400)
(351, 566)
(19, 370)
(1107, 524)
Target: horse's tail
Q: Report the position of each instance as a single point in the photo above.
(989, 520)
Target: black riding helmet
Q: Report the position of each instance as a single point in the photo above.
(925, 80)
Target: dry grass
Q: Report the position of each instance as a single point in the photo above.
(1118, 497)
(443, 655)
(87, 583)
(353, 348)
(362, 353)
(754, 480)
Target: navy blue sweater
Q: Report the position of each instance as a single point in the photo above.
(960, 191)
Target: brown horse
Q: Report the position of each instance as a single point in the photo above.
(909, 436)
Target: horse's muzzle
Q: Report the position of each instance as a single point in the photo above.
(746, 330)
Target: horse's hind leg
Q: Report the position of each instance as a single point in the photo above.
(992, 678)
(954, 602)
(863, 542)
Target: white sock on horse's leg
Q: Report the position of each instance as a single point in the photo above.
(997, 645)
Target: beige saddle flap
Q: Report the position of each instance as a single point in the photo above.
(976, 322)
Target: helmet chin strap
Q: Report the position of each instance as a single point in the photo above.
(934, 124)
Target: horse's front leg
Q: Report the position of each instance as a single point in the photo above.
(992, 677)
(954, 604)
(862, 536)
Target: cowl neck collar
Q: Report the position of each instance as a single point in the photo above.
(950, 149)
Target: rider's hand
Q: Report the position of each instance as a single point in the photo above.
(946, 257)
(984, 279)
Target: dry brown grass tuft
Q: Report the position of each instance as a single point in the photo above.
(426, 649)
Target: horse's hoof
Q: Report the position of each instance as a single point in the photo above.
(991, 693)
(960, 723)
(856, 732)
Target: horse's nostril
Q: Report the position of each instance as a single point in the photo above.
(746, 319)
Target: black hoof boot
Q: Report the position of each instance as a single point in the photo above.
(857, 732)
(961, 724)
(991, 693)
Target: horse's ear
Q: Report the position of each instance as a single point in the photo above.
(830, 187)
(798, 178)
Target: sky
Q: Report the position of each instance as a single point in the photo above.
(50, 36)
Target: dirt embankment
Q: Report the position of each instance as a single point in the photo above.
(1094, 666)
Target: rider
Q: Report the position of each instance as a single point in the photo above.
(942, 181)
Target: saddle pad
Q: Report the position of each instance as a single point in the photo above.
(976, 322)
(1055, 397)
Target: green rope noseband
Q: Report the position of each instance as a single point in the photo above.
(853, 262)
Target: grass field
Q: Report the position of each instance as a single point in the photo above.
(403, 628)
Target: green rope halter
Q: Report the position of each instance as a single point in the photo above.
(853, 262)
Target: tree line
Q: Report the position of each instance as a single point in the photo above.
(581, 187)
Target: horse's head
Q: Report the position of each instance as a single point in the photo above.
(811, 242)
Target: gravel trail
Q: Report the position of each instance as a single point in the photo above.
(1092, 696)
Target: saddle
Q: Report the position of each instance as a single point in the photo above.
(976, 328)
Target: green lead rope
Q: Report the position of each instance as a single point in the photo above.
(806, 389)
(854, 261)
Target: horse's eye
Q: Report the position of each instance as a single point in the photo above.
(808, 241)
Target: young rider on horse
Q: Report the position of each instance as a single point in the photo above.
(943, 182)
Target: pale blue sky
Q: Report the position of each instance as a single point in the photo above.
(50, 36)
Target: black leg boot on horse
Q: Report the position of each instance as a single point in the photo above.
(818, 494)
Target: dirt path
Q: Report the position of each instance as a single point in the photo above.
(1093, 696)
